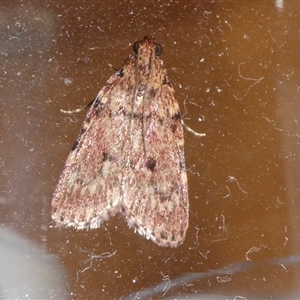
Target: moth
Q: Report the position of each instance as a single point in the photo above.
(129, 155)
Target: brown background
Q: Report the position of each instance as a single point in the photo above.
(235, 69)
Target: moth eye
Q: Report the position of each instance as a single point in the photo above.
(136, 46)
(158, 49)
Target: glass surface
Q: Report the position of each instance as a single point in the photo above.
(234, 66)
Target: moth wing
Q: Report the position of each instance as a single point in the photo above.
(156, 193)
(88, 191)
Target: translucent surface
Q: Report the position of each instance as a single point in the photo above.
(235, 68)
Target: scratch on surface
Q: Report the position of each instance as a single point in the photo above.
(233, 179)
(275, 41)
(169, 258)
(197, 238)
(256, 81)
(223, 279)
(251, 250)
(93, 256)
(168, 283)
(224, 229)
(204, 255)
(229, 192)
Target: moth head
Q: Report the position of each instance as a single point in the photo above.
(158, 47)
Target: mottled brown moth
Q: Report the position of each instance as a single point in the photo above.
(129, 155)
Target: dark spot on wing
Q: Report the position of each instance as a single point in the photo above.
(167, 82)
(107, 157)
(173, 127)
(150, 164)
(121, 109)
(182, 165)
(121, 72)
(98, 106)
(182, 232)
(74, 146)
(82, 130)
(163, 235)
(152, 92)
(177, 116)
(122, 209)
(137, 116)
(163, 197)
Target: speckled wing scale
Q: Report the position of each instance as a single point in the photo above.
(129, 156)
